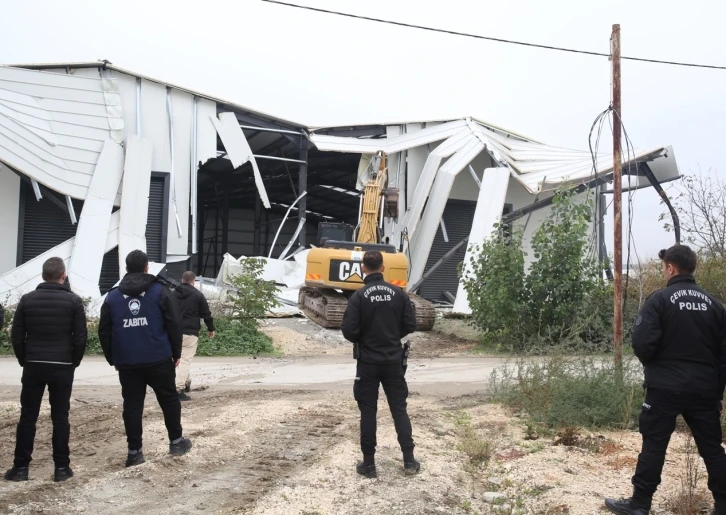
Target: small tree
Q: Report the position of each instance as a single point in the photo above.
(559, 302)
(495, 283)
(561, 278)
(700, 200)
(255, 296)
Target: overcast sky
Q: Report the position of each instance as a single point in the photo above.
(319, 69)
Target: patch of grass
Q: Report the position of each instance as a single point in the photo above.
(234, 338)
(559, 392)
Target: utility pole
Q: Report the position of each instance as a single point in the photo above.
(617, 200)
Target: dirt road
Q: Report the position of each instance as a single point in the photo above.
(281, 447)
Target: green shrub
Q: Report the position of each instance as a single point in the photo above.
(93, 345)
(560, 303)
(234, 338)
(562, 392)
(6, 346)
(254, 297)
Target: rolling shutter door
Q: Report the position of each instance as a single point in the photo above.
(458, 217)
(46, 225)
(155, 232)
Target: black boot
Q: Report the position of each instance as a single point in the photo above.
(411, 466)
(181, 447)
(17, 474)
(183, 396)
(368, 471)
(626, 507)
(188, 386)
(62, 474)
(135, 459)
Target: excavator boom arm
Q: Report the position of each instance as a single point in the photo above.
(368, 231)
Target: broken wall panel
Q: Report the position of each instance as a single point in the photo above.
(52, 127)
(460, 142)
(9, 214)
(24, 278)
(396, 144)
(489, 206)
(423, 238)
(238, 149)
(182, 105)
(134, 197)
(206, 133)
(88, 249)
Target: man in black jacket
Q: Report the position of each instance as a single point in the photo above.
(192, 306)
(680, 338)
(140, 333)
(49, 338)
(377, 317)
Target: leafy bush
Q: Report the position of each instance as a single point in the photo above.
(254, 297)
(6, 346)
(561, 302)
(93, 345)
(562, 392)
(496, 285)
(234, 338)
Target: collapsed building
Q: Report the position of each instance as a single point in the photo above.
(96, 161)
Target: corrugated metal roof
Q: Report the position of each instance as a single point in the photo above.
(106, 65)
(53, 127)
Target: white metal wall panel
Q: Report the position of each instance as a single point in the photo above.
(462, 141)
(127, 91)
(182, 116)
(52, 126)
(402, 142)
(134, 197)
(238, 149)
(9, 210)
(206, 133)
(88, 249)
(489, 206)
(423, 238)
(155, 124)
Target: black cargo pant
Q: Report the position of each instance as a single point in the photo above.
(161, 378)
(365, 391)
(657, 423)
(59, 379)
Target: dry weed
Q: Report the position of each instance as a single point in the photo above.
(690, 500)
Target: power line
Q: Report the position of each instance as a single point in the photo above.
(488, 38)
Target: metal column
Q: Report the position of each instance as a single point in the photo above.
(225, 219)
(303, 187)
(258, 229)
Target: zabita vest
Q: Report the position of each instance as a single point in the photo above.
(139, 333)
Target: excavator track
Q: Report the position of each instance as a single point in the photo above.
(325, 307)
(425, 313)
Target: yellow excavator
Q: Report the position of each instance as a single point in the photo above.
(336, 265)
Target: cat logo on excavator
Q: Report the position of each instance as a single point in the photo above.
(346, 271)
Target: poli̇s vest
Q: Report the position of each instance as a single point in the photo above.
(139, 332)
